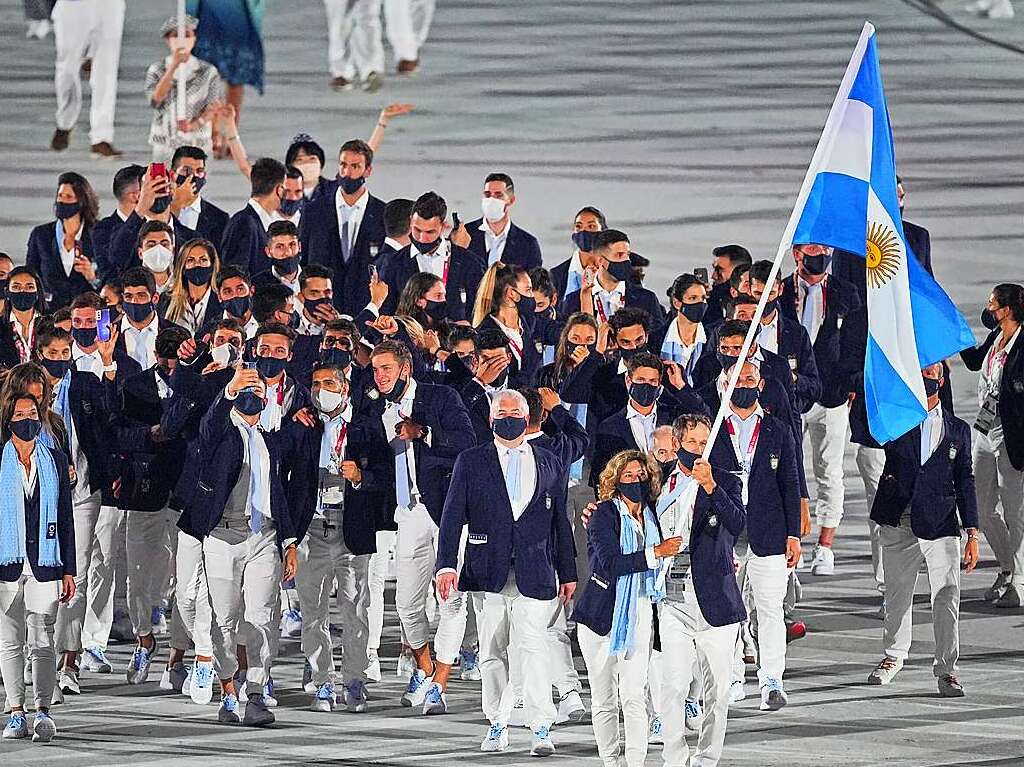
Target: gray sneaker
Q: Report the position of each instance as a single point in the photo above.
(950, 687)
(886, 671)
(996, 589)
(256, 712)
(44, 729)
(1010, 598)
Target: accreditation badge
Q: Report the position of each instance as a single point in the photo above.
(774, 460)
(952, 452)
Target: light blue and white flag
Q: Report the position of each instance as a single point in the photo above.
(850, 190)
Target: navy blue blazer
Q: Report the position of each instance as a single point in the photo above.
(300, 474)
(1011, 394)
(103, 232)
(773, 488)
(93, 402)
(795, 350)
(933, 493)
(123, 252)
(841, 300)
(637, 297)
(538, 547)
(521, 247)
(65, 531)
(43, 257)
(465, 270)
(321, 244)
(221, 454)
(440, 409)
(564, 436)
(560, 280)
(244, 241)
(211, 223)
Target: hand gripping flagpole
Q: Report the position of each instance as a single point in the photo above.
(828, 136)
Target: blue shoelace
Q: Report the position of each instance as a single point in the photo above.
(541, 733)
(326, 692)
(495, 732)
(98, 655)
(415, 682)
(656, 726)
(469, 661)
(17, 722)
(268, 688)
(434, 694)
(140, 657)
(773, 685)
(202, 676)
(692, 708)
(230, 703)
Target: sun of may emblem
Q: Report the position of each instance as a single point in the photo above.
(883, 254)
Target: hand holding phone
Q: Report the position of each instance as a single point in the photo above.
(103, 325)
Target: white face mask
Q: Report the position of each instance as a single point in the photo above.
(492, 208)
(158, 258)
(328, 401)
(225, 354)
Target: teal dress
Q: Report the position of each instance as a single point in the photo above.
(230, 37)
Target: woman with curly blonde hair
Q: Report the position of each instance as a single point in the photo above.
(615, 613)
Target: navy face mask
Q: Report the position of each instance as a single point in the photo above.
(84, 337)
(694, 312)
(160, 204)
(23, 301)
(770, 307)
(436, 310)
(238, 306)
(509, 428)
(686, 458)
(988, 319)
(815, 265)
(667, 467)
(289, 207)
(311, 305)
(932, 386)
(395, 395)
(56, 368)
(334, 356)
(627, 354)
(634, 491)
(426, 247)
(644, 394)
(584, 240)
(744, 397)
(351, 185)
(726, 360)
(286, 265)
(138, 312)
(270, 367)
(66, 210)
(198, 275)
(620, 270)
(27, 429)
(249, 403)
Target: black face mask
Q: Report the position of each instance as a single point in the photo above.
(351, 185)
(667, 467)
(620, 270)
(198, 275)
(744, 396)
(509, 428)
(237, 306)
(249, 403)
(270, 367)
(26, 429)
(138, 312)
(627, 354)
(988, 319)
(426, 247)
(694, 312)
(335, 356)
(815, 265)
(686, 458)
(526, 307)
(24, 301)
(198, 182)
(584, 240)
(395, 395)
(726, 360)
(284, 266)
(289, 207)
(644, 394)
(634, 491)
(770, 307)
(311, 305)
(66, 210)
(84, 337)
(160, 204)
(932, 386)
(570, 347)
(56, 368)
(436, 310)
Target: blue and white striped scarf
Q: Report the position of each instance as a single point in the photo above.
(12, 507)
(630, 587)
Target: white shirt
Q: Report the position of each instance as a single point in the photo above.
(434, 262)
(141, 344)
(332, 454)
(87, 362)
(192, 318)
(495, 243)
(265, 218)
(163, 391)
(607, 302)
(740, 435)
(355, 214)
(121, 215)
(513, 335)
(527, 475)
(391, 417)
(271, 415)
(642, 425)
(250, 327)
(768, 335)
(811, 308)
(931, 432)
(67, 257)
(189, 215)
(25, 335)
(674, 343)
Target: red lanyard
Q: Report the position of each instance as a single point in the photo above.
(444, 274)
(753, 441)
(995, 355)
(280, 392)
(672, 483)
(24, 353)
(339, 444)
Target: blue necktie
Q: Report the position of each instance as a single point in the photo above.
(403, 494)
(259, 473)
(512, 479)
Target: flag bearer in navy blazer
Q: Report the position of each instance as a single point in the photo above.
(238, 506)
(426, 427)
(700, 616)
(760, 449)
(924, 499)
(37, 561)
(494, 237)
(331, 476)
(615, 613)
(519, 559)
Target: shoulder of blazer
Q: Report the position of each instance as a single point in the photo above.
(48, 229)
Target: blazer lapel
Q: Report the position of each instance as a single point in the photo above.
(494, 469)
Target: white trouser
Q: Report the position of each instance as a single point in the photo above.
(355, 45)
(323, 556)
(655, 673)
(408, 24)
(96, 530)
(512, 625)
(94, 27)
(997, 482)
(559, 649)
(689, 642)
(190, 624)
(415, 558)
(766, 580)
(26, 605)
(377, 577)
(152, 537)
(827, 427)
(903, 553)
(870, 464)
(243, 571)
(618, 682)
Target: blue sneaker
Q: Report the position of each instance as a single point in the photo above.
(325, 699)
(435, 701)
(17, 727)
(138, 666)
(470, 666)
(268, 693)
(417, 689)
(542, 745)
(694, 714)
(201, 688)
(291, 624)
(496, 740)
(228, 713)
(44, 729)
(654, 731)
(355, 696)
(95, 661)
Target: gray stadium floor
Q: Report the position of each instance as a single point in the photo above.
(689, 124)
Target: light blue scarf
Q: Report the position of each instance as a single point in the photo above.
(12, 507)
(629, 588)
(62, 405)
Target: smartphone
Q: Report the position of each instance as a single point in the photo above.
(158, 169)
(103, 324)
(702, 275)
(455, 220)
(373, 272)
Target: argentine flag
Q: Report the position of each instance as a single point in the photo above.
(848, 201)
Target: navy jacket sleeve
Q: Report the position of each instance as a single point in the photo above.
(727, 501)
(456, 433)
(603, 537)
(963, 480)
(121, 254)
(65, 516)
(453, 517)
(564, 542)
(572, 439)
(789, 484)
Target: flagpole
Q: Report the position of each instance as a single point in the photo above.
(182, 102)
(828, 135)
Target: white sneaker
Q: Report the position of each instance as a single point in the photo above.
(43, 730)
(773, 697)
(469, 668)
(138, 666)
(694, 714)
(416, 691)
(291, 624)
(373, 670)
(201, 688)
(435, 701)
(518, 717)
(655, 731)
(324, 700)
(570, 708)
(355, 696)
(824, 562)
(737, 691)
(94, 660)
(186, 685)
(68, 682)
(885, 671)
(542, 745)
(496, 739)
(1003, 9)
